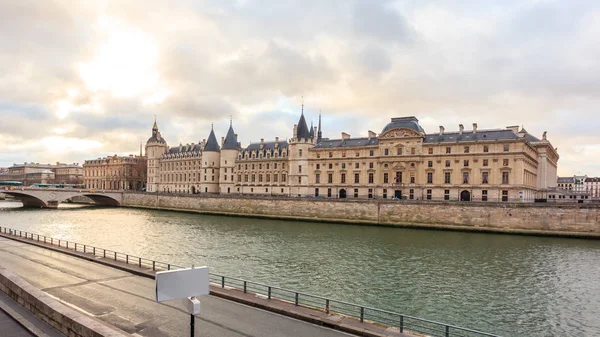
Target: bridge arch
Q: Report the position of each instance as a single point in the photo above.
(52, 198)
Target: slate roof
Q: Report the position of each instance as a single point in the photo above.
(469, 135)
(156, 139)
(404, 122)
(311, 132)
(565, 180)
(268, 147)
(212, 144)
(185, 148)
(352, 142)
(230, 142)
(302, 128)
(592, 180)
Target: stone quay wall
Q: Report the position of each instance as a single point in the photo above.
(68, 321)
(578, 220)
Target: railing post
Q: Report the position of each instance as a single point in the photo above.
(44, 238)
(103, 253)
(244, 287)
(38, 237)
(296, 302)
(115, 256)
(269, 292)
(222, 281)
(362, 314)
(127, 258)
(401, 323)
(140, 262)
(52, 241)
(94, 251)
(67, 244)
(327, 306)
(84, 246)
(153, 265)
(75, 246)
(447, 331)
(168, 266)
(59, 243)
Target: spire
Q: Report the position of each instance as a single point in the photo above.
(211, 143)
(302, 113)
(155, 127)
(140, 149)
(311, 132)
(302, 130)
(230, 143)
(319, 133)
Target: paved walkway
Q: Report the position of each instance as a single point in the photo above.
(16, 321)
(127, 301)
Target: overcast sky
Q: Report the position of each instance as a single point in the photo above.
(84, 79)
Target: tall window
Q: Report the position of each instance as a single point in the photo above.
(398, 177)
(447, 163)
(371, 153)
(506, 147)
(330, 178)
(429, 177)
(505, 177)
(484, 177)
(428, 194)
(343, 165)
(385, 178)
(430, 163)
(371, 165)
(466, 163)
(504, 195)
(299, 168)
(300, 153)
(412, 178)
(485, 162)
(318, 166)
(330, 166)
(430, 150)
(343, 178)
(465, 177)
(386, 152)
(446, 194)
(504, 162)
(484, 195)
(486, 148)
(371, 178)
(448, 149)
(446, 177)
(466, 149)
(318, 178)
(356, 178)
(411, 194)
(356, 165)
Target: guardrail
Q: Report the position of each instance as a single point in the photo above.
(405, 323)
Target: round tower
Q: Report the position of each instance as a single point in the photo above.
(229, 153)
(211, 162)
(156, 146)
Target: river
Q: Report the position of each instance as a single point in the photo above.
(505, 284)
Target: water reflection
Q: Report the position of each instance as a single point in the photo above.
(510, 285)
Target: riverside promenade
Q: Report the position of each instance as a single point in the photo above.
(123, 299)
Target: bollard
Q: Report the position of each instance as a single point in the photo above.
(168, 266)
(269, 292)
(244, 287)
(362, 314)
(296, 302)
(327, 306)
(222, 281)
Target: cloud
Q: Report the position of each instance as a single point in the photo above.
(98, 72)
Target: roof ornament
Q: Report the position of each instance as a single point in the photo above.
(302, 105)
(230, 120)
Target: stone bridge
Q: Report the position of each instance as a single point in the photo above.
(50, 198)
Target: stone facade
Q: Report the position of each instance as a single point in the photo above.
(35, 173)
(402, 162)
(115, 173)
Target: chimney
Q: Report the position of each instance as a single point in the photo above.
(442, 130)
(522, 132)
(514, 128)
(474, 127)
(461, 128)
(295, 130)
(372, 134)
(262, 143)
(222, 141)
(276, 142)
(236, 137)
(345, 136)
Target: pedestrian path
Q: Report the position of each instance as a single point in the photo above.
(126, 301)
(16, 321)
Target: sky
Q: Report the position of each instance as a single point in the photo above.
(85, 79)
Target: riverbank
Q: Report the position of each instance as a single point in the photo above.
(564, 220)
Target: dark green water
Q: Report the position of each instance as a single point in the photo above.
(504, 284)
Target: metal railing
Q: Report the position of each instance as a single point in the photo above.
(402, 322)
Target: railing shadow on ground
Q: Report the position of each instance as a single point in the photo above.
(400, 322)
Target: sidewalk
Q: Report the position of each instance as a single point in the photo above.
(16, 321)
(126, 301)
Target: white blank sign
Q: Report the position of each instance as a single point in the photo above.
(181, 283)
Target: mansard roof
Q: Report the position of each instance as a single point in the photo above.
(448, 137)
(230, 143)
(211, 143)
(565, 180)
(268, 147)
(351, 142)
(404, 122)
(185, 148)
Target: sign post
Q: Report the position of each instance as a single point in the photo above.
(183, 284)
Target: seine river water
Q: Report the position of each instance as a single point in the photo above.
(505, 284)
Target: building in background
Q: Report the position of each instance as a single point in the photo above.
(36, 173)
(402, 162)
(592, 187)
(116, 173)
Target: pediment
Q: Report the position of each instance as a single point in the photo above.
(400, 133)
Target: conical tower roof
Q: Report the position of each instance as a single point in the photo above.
(211, 143)
(230, 142)
(302, 128)
(311, 132)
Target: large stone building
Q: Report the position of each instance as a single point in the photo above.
(36, 173)
(402, 162)
(115, 173)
